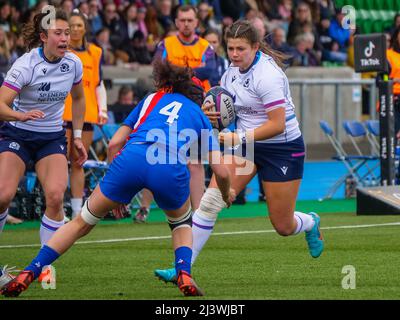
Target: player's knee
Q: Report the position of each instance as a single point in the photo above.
(54, 198)
(87, 216)
(211, 204)
(184, 221)
(6, 197)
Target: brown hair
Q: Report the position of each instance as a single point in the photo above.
(186, 8)
(243, 29)
(77, 13)
(175, 79)
(32, 30)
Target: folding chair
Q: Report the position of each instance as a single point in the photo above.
(373, 134)
(352, 162)
(356, 130)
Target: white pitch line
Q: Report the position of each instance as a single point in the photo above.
(214, 234)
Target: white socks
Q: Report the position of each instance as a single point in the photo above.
(48, 228)
(305, 222)
(76, 206)
(3, 219)
(202, 228)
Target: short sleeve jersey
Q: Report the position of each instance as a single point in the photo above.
(43, 85)
(261, 88)
(170, 119)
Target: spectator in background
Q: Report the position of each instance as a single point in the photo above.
(4, 52)
(304, 55)
(154, 28)
(301, 23)
(113, 23)
(234, 9)
(124, 105)
(137, 49)
(260, 26)
(278, 43)
(84, 8)
(315, 10)
(5, 14)
(141, 15)
(206, 19)
(338, 33)
(330, 47)
(67, 6)
(103, 41)
(95, 21)
(164, 8)
(214, 39)
(285, 9)
(129, 23)
(15, 21)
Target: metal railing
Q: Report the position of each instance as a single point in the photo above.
(337, 83)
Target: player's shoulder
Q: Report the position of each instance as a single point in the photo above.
(69, 55)
(29, 59)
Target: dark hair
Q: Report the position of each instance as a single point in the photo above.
(243, 29)
(125, 89)
(212, 31)
(186, 8)
(172, 78)
(32, 30)
(394, 42)
(77, 13)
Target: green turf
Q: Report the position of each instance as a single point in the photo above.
(256, 266)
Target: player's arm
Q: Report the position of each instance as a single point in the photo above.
(7, 96)
(78, 115)
(117, 142)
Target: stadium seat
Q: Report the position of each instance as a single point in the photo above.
(352, 163)
(373, 133)
(109, 130)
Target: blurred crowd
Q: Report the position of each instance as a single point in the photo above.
(309, 31)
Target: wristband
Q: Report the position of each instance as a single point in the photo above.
(78, 133)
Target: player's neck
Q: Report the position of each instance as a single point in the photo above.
(189, 39)
(76, 44)
(49, 56)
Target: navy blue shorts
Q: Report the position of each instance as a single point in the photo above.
(31, 146)
(130, 172)
(277, 162)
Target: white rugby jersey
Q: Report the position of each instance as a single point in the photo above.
(43, 85)
(263, 87)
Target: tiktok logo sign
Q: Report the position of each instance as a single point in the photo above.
(369, 50)
(349, 19)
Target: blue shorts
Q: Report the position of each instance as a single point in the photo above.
(278, 162)
(130, 172)
(30, 145)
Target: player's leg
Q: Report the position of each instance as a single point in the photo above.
(205, 217)
(52, 172)
(281, 200)
(12, 169)
(197, 183)
(142, 213)
(96, 207)
(77, 177)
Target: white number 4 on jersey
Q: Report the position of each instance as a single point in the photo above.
(172, 114)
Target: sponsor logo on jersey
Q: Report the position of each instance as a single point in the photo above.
(64, 67)
(44, 70)
(247, 83)
(284, 170)
(44, 86)
(233, 78)
(14, 146)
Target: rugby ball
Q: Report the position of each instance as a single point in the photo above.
(223, 104)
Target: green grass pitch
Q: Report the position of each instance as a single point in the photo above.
(256, 265)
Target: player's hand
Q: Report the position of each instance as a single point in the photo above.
(120, 211)
(103, 118)
(229, 198)
(230, 138)
(30, 115)
(213, 116)
(80, 148)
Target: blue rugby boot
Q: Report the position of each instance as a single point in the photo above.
(166, 275)
(314, 237)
